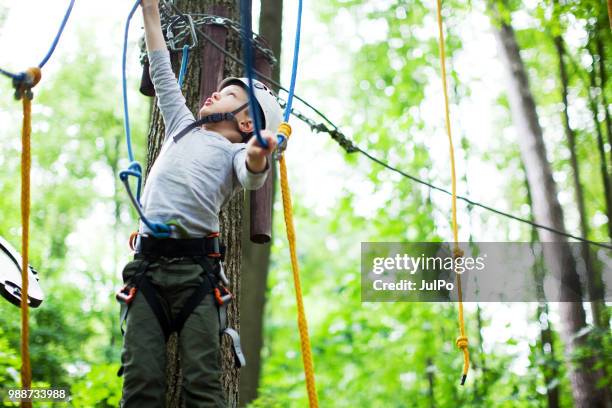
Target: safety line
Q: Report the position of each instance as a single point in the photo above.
(335, 128)
(184, 61)
(23, 83)
(26, 164)
(19, 76)
(57, 36)
(284, 132)
(247, 52)
(462, 340)
(126, 113)
(296, 51)
(295, 267)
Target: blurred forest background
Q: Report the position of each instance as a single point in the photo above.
(373, 67)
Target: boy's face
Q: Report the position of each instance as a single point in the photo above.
(228, 99)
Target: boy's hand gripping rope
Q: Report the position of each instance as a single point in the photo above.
(462, 340)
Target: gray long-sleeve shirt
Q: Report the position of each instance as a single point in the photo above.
(191, 179)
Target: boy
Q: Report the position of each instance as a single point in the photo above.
(197, 171)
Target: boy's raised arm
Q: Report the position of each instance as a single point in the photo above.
(152, 24)
(170, 99)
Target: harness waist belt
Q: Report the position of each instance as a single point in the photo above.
(174, 248)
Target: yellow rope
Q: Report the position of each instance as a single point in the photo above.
(285, 129)
(462, 340)
(33, 77)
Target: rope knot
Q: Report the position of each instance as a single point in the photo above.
(24, 83)
(458, 252)
(462, 342)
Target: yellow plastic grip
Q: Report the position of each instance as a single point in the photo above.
(284, 129)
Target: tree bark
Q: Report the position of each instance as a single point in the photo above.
(205, 69)
(547, 211)
(605, 175)
(603, 79)
(549, 369)
(256, 257)
(594, 281)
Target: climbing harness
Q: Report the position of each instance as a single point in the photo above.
(215, 283)
(462, 340)
(23, 83)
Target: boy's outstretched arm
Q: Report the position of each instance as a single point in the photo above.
(152, 24)
(170, 99)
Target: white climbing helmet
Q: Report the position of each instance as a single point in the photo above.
(273, 115)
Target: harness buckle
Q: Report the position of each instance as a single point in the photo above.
(223, 295)
(126, 294)
(222, 275)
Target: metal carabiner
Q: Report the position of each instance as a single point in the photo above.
(280, 147)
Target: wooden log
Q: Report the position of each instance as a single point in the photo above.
(261, 200)
(146, 85)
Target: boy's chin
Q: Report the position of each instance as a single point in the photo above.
(206, 110)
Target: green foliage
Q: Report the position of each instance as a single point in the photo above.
(76, 139)
(100, 387)
(365, 354)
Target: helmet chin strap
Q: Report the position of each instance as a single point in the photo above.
(215, 118)
(227, 116)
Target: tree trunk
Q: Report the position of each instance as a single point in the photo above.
(256, 257)
(603, 79)
(605, 174)
(207, 66)
(549, 369)
(547, 211)
(594, 282)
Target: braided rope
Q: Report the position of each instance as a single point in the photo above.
(462, 340)
(33, 75)
(295, 267)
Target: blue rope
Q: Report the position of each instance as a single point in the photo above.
(21, 75)
(296, 51)
(184, 62)
(247, 35)
(158, 230)
(126, 114)
(57, 36)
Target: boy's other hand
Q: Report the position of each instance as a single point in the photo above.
(256, 154)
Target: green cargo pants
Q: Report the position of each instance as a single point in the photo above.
(144, 348)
